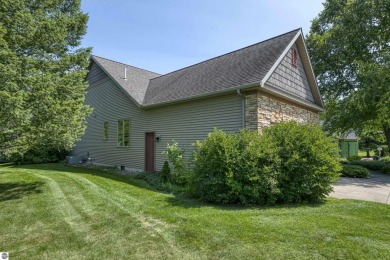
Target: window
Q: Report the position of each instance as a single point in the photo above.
(294, 57)
(105, 131)
(123, 132)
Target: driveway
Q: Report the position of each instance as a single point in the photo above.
(375, 188)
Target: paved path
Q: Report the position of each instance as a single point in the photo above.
(375, 188)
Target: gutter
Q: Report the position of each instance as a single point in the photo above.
(285, 95)
(209, 94)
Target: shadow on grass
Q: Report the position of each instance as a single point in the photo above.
(186, 202)
(178, 200)
(18, 190)
(58, 167)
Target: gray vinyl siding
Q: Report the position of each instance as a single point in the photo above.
(290, 78)
(95, 74)
(184, 122)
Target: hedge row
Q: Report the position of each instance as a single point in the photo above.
(354, 171)
(382, 165)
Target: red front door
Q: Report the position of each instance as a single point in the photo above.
(149, 152)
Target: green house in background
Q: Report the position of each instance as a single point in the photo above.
(349, 145)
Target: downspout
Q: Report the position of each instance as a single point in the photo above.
(242, 106)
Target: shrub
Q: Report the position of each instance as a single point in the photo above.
(371, 165)
(354, 158)
(38, 154)
(165, 174)
(180, 181)
(289, 163)
(385, 159)
(3, 158)
(343, 160)
(175, 155)
(234, 168)
(386, 169)
(308, 161)
(354, 171)
(180, 166)
(155, 181)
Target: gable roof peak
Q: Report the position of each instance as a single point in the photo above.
(246, 66)
(231, 52)
(137, 79)
(124, 64)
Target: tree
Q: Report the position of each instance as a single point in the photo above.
(371, 140)
(349, 44)
(42, 74)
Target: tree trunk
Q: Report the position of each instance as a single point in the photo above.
(386, 131)
(368, 153)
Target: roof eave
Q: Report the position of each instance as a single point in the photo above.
(285, 95)
(249, 86)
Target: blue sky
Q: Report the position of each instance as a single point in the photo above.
(164, 36)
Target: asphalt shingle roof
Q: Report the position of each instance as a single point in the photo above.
(223, 73)
(137, 79)
(244, 66)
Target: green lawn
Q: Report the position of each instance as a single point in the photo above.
(56, 212)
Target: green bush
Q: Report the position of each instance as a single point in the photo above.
(354, 171)
(386, 169)
(234, 168)
(371, 165)
(165, 174)
(290, 163)
(39, 154)
(155, 181)
(354, 158)
(180, 181)
(3, 158)
(385, 159)
(308, 161)
(175, 156)
(180, 165)
(343, 161)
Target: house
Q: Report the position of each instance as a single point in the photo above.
(137, 112)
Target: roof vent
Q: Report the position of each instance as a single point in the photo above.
(125, 77)
(294, 57)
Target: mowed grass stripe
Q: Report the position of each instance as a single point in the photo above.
(66, 209)
(115, 197)
(129, 205)
(123, 233)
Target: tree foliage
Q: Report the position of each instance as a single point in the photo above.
(349, 44)
(42, 74)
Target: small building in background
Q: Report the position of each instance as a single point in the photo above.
(349, 145)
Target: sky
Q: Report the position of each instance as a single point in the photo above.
(163, 36)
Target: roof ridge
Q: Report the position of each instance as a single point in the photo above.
(226, 54)
(93, 55)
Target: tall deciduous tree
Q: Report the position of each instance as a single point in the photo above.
(349, 43)
(42, 74)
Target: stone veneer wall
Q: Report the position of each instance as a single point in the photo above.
(262, 110)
